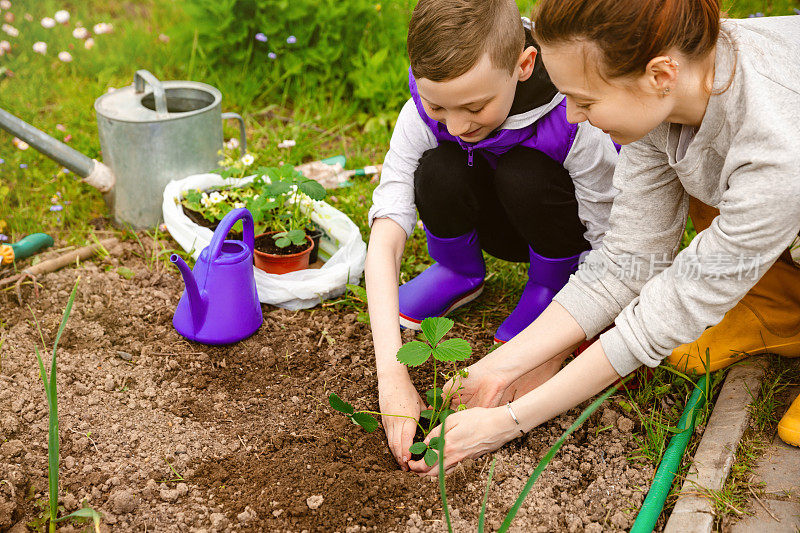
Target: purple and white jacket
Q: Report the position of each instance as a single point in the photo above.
(586, 153)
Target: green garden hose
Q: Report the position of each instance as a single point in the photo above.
(25, 248)
(662, 482)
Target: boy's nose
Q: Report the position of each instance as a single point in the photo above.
(574, 115)
(456, 127)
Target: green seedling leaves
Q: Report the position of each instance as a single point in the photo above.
(359, 292)
(434, 397)
(453, 350)
(366, 421)
(125, 272)
(313, 190)
(434, 442)
(444, 414)
(434, 328)
(427, 413)
(431, 457)
(339, 404)
(418, 447)
(414, 353)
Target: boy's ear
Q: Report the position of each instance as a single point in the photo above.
(525, 63)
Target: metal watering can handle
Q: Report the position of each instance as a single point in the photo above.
(225, 226)
(144, 76)
(242, 131)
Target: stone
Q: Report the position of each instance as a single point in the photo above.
(314, 501)
(12, 448)
(122, 502)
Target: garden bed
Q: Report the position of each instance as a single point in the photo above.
(162, 434)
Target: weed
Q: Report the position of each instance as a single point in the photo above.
(53, 437)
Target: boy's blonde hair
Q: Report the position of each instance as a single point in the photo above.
(446, 38)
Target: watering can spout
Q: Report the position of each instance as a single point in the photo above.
(197, 304)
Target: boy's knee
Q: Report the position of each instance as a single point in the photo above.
(528, 172)
(441, 171)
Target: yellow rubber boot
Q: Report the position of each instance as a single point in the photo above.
(766, 320)
(789, 426)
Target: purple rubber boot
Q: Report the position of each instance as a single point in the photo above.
(454, 280)
(545, 278)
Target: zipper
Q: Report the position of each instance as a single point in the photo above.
(469, 155)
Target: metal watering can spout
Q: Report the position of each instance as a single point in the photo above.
(198, 305)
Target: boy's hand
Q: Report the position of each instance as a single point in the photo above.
(398, 396)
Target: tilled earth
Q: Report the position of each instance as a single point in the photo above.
(162, 434)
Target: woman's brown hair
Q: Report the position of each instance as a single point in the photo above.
(630, 33)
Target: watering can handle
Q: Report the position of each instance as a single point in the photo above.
(144, 76)
(242, 131)
(225, 226)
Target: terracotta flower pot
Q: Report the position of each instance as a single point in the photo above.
(282, 263)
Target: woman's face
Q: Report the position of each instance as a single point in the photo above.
(627, 109)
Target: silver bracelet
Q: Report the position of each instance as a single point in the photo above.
(511, 412)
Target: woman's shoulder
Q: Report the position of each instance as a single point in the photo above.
(766, 48)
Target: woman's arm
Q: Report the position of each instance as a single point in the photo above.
(554, 332)
(473, 432)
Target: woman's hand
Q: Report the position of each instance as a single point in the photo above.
(483, 387)
(470, 434)
(397, 396)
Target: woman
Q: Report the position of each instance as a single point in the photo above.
(707, 113)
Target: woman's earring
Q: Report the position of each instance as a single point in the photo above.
(666, 92)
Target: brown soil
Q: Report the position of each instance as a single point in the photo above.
(265, 243)
(162, 434)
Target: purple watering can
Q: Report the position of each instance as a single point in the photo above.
(220, 304)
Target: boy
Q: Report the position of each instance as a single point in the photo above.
(484, 152)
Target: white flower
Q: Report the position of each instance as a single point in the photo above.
(237, 205)
(89, 43)
(47, 22)
(5, 46)
(232, 143)
(9, 29)
(80, 32)
(40, 47)
(62, 16)
(163, 37)
(20, 144)
(5, 4)
(248, 159)
(102, 27)
(216, 197)
(287, 143)
(66, 57)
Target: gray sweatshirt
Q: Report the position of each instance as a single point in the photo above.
(744, 159)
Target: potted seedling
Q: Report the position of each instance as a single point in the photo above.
(281, 201)
(287, 247)
(444, 354)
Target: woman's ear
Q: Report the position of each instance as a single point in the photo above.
(661, 74)
(525, 63)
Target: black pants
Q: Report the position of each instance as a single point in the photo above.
(528, 200)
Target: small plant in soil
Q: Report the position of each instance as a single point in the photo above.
(415, 353)
(53, 437)
(280, 199)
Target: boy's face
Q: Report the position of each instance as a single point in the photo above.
(476, 103)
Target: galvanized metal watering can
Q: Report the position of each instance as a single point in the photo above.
(220, 304)
(149, 136)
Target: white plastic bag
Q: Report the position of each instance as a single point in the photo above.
(295, 290)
